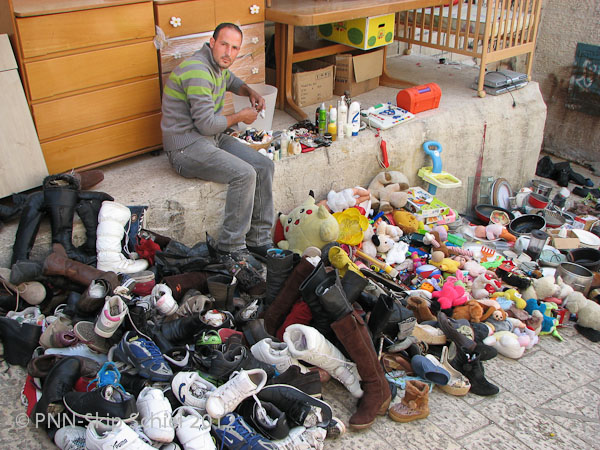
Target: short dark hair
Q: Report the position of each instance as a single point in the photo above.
(233, 26)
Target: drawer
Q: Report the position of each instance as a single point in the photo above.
(191, 17)
(86, 70)
(250, 58)
(41, 35)
(66, 115)
(240, 11)
(101, 144)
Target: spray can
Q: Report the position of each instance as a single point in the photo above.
(322, 120)
(332, 127)
(342, 118)
(354, 117)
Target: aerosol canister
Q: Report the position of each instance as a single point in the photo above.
(322, 120)
(342, 119)
(354, 117)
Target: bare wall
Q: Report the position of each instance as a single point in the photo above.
(569, 134)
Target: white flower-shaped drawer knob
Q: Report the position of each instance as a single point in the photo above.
(176, 55)
(255, 70)
(254, 9)
(254, 40)
(175, 22)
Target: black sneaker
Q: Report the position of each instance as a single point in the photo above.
(309, 383)
(300, 408)
(109, 402)
(241, 256)
(265, 418)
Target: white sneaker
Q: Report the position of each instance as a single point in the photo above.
(191, 389)
(240, 386)
(111, 317)
(193, 430)
(302, 438)
(155, 413)
(78, 350)
(275, 353)
(70, 438)
(104, 436)
(31, 315)
(163, 299)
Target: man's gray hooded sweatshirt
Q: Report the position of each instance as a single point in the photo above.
(193, 99)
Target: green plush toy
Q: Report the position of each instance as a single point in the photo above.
(308, 225)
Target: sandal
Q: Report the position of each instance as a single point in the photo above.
(459, 384)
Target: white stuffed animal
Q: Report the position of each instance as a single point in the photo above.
(397, 254)
(506, 343)
(588, 312)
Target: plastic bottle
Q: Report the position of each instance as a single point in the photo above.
(284, 142)
(332, 127)
(354, 117)
(322, 119)
(342, 118)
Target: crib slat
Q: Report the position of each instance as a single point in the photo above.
(467, 27)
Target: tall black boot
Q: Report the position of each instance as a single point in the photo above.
(19, 339)
(353, 285)
(280, 264)
(61, 193)
(319, 321)
(380, 316)
(88, 207)
(332, 296)
(470, 365)
(31, 217)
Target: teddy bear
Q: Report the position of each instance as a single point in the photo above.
(406, 221)
(391, 230)
(388, 191)
(451, 294)
(444, 264)
(484, 285)
(307, 225)
(433, 238)
(472, 311)
(347, 198)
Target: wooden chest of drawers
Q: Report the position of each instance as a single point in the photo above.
(91, 76)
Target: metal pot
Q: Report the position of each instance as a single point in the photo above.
(586, 257)
(526, 223)
(576, 276)
(541, 188)
(484, 211)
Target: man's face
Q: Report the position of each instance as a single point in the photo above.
(226, 47)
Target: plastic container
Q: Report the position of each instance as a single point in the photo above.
(419, 98)
(269, 93)
(322, 119)
(354, 117)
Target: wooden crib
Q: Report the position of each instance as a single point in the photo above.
(490, 30)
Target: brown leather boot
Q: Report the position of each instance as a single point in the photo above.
(287, 296)
(353, 334)
(420, 309)
(58, 263)
(180, 284)
(414, 404)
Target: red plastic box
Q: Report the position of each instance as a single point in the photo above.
(419, 98)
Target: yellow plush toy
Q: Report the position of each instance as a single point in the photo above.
(444, 264)
(514, 295)
(406, 221)
(308, 225)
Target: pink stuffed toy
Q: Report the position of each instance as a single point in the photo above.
(451, 294)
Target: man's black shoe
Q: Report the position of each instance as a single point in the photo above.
(309, 383)
(300, 408)
(260, 251)
(265, 418)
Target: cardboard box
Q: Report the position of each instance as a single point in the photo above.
(567, 243)
(313, 82)
(364, 33)
(357, 72)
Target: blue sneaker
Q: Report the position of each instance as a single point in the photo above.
(144, 355)
(236, 434)
(108, 374)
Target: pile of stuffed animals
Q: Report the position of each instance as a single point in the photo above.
(515, 307)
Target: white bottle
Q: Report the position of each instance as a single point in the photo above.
(342, 117)
(354, 117)
(285, 141)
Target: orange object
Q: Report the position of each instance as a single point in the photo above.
(419, 98)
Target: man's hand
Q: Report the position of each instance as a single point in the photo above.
(248, 115)
(257, 102)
